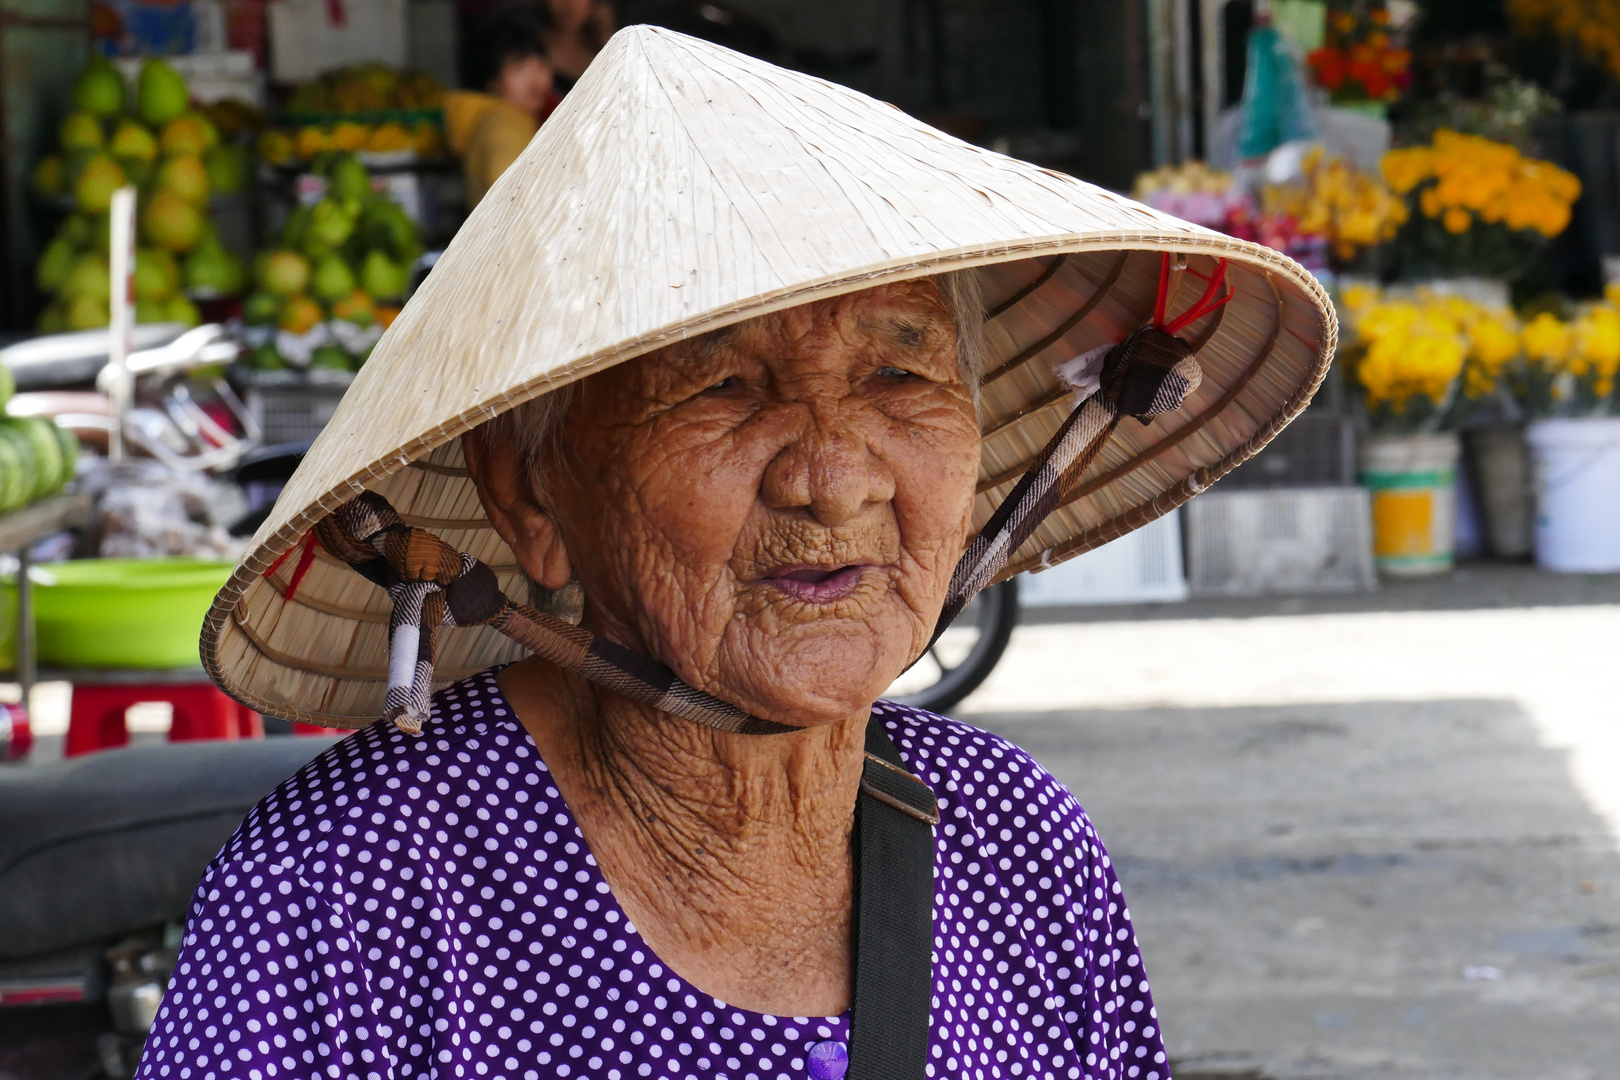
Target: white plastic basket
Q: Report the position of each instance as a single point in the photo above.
(1140, 567)
(1289, 540)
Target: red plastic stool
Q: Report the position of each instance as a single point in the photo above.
(201, 711)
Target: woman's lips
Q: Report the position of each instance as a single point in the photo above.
(816, 584)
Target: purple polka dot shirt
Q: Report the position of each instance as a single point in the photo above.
(427, 907)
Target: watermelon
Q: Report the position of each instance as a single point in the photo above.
(69, 443)
(16, 468)
(47, 453)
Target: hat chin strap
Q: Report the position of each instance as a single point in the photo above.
(431, 584)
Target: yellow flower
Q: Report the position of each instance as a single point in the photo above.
(1548, 341)
(1494, 340)
(1597, 343)
(1406, 169)
(1457, 220)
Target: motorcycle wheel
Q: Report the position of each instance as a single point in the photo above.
(963, 657)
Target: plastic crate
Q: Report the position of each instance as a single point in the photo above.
(1140, 567)
(293, 413)
(1313, 451)
(1294, 540)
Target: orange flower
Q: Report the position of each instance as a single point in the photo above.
(1457, 220)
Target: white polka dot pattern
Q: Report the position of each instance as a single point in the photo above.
(426, 907)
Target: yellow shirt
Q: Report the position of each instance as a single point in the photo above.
(488, 134)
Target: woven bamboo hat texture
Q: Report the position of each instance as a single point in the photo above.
(682, 187)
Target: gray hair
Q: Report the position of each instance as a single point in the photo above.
(535, 427)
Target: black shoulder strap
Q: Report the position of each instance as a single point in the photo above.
(894, 917)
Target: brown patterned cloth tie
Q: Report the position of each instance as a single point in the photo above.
(433, 585)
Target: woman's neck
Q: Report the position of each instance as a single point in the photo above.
(730, 853)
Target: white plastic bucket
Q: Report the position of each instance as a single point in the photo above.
(1413, 483)
(1576, 470)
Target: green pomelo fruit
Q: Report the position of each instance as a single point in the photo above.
(85, 313)
(259, 309)
(157, 277)
(284, 273)
(100, 89)
(54, 264)
(151, 311)
(94, 189)
(189, 134)
(330, 358)
(171, 222)
(49, 176)
(299, 315)
(181, 310)
(266, 358)
(381, 277)
(210, 267)
(389, 227)
(349, 179)
(160, 93)
(8, 387)
(132, 142)
(354, 308)
(89, 276)
(329, 223)
(332, 280)
(186, 177)
(79, 131)
(228, 168)
(292, 234)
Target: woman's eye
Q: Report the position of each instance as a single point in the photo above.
(895, 373)
(730, 382)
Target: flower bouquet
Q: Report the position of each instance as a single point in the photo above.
(1569, 367)
(1197, 193)
(1334, 203)
(1360, 63)
(1482, 207)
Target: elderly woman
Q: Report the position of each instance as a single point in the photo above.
(764, 411)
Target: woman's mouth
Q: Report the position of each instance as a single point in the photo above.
(816, 584)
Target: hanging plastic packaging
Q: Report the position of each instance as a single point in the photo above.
(1275, 108)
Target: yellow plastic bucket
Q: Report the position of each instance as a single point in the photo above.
(1412, 480)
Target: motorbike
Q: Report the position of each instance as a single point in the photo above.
(99, 856)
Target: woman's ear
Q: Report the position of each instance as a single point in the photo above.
(504, 488)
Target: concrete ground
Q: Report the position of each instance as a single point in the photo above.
(1369, 836)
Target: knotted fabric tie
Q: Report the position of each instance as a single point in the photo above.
(1149, 373)
(432, 585)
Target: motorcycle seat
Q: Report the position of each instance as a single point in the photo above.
(97, 846)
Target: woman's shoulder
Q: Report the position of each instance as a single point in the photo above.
(368, 779)
(967, 764)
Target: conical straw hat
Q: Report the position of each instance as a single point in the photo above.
(682, 187)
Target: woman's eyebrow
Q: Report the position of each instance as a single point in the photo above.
(906, 330)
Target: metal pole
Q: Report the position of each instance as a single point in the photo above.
(121, 309)
(26, 669)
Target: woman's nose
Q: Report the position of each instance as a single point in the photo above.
(828, 469)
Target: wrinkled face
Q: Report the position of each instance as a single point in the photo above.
(775, 510)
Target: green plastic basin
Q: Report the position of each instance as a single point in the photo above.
(123, 613)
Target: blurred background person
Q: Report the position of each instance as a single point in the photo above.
(511, 90)
(576, 32)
